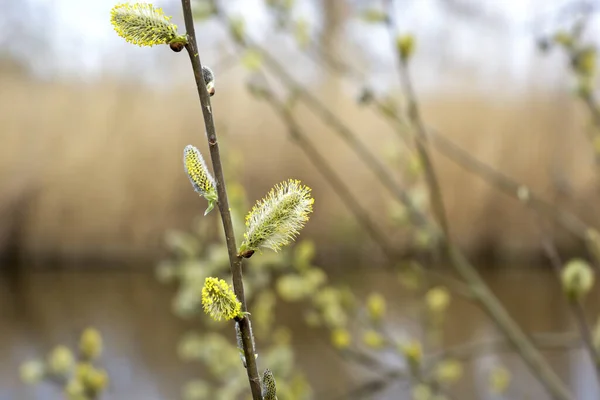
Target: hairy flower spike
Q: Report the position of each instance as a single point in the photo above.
(277, 219)
(219, 301)
(269, 389)
(144, 25)
(201, 180)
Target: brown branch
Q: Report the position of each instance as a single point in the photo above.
(234, 260)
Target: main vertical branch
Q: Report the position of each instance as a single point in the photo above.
(235, 261)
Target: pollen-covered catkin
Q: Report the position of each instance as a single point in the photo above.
(278, 218)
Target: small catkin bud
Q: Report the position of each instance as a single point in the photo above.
(60, 361)
(269, 388)
(90, 344)
(144, 25)
(584, 62)
(577, 279)
(449, 371)
(499, 380)
(405, 45)
(96, 380)
(219, 301)
(75, 390)
(564, 39)
(376, 306)
(209, 79)
(201, 180)
(340, 338)
(413, 351)
(373, 339)
(277, 219)
(437, 299)
(32, 372)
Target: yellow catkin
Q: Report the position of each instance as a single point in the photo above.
(142, 24)
(219, 301)
(278, 218)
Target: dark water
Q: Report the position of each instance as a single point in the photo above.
(133, 311)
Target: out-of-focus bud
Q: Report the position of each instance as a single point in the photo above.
(376, 306)
(340, 338)
(32, 372)
(90, 344)
(373, 339)
(413, 351)
(577, 279)
(60, 360)
(438, 299)
(406, 46)
(563, 38)
(500, 379)
(449, 371)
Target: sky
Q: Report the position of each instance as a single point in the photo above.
(82, 41)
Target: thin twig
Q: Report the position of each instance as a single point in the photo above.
(465, 159)
(344, 193)
(471, 350)
(351, 138)
(482, 293)
(234, 260)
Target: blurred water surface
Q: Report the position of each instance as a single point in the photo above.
(41, 309)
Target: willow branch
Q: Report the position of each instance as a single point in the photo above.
(465, 159)
(235, 261)
(488, 301)
(345, 194)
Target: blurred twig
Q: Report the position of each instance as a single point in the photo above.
(344, 193)
(462, 157)
(470, 350)
(482, 293)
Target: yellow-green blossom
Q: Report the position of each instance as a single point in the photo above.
(90, 344)
(144, 25)
(32, 372)
(269, 389)
(577, 279)
(449, 371)
(499, 380)
(61, 360)
(373, 339)
(437, 299)
(277, 219)
(376, 306)
(201, 180)
(413, 351)
(406, 46)
(219, 301)
(94, 380)
(340, 338)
